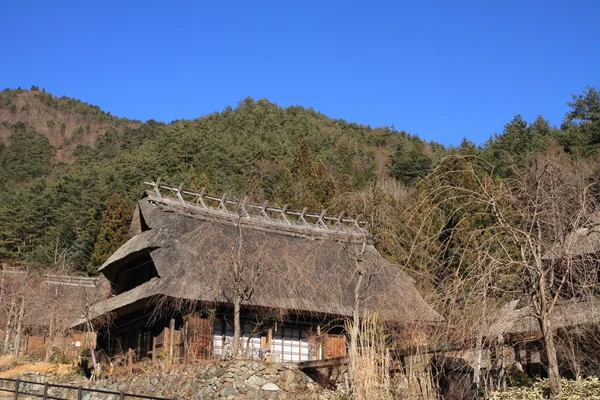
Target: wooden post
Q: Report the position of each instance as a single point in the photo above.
(386, 369)
(171, 338)
(319, 344)
(153, 350)
(45, 395)
(270, 344)
(165, 344)
(17, 384)
(263, 344)
(299, 344)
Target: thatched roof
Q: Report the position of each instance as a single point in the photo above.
(582, 242)
(193, 254)
(62, 298)
(521, 321)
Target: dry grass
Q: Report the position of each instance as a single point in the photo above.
(7, 360)
(368, 368)
(39, 367)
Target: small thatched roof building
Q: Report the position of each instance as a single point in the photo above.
(186, 252)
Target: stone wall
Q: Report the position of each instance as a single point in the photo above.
(219, 380)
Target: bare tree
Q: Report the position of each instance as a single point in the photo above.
(518, 236)
(249, 264)
(366, 268)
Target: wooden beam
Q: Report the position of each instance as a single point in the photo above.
(263, 212)
(320, 220)
(200, 200)
(301, 217)
(157, 187)
(283, 216)
(179, 196)
(326, 363)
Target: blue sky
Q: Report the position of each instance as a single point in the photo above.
(441, 69)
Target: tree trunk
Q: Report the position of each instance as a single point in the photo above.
(354, 329)
(236, 326)
(553, 373)
(500, 364)
(52, 327)
(50, 335)
(545, 323)
(89, 333)
(19, 328)
(354, 333)
(478, 356)
(9, 328)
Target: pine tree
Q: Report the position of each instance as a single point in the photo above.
(406, 165)
(113, 231)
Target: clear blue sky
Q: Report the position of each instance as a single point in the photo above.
(442, 69)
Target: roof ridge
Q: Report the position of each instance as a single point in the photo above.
(261, 214)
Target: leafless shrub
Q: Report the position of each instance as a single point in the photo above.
(503, 239)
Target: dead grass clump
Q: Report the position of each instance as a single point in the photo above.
(8, 360)
(40, 367)
(369, 368)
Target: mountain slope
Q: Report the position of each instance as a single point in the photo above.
(61, 161)
(66, 122)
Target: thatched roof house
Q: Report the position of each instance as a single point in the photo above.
(184, 252)
(39, 309)
(521, 323)
(582, 242)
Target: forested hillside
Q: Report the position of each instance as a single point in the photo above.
(64, 162)
(70, 173)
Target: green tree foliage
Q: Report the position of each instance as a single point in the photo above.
(581, 126)
(410, 161)
(27, 155)
(113, 231)
(518, 144)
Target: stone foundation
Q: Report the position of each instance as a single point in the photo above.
(219, 380)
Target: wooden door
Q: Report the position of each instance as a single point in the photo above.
(334, 346)
(198, 337)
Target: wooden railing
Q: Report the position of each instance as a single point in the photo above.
(53, 279)
(18, 389)
(261, 213)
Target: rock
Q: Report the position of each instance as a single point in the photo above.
(270, 387)
(288, 376)
(255, 382)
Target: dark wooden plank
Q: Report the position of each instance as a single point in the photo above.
(326, 363)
